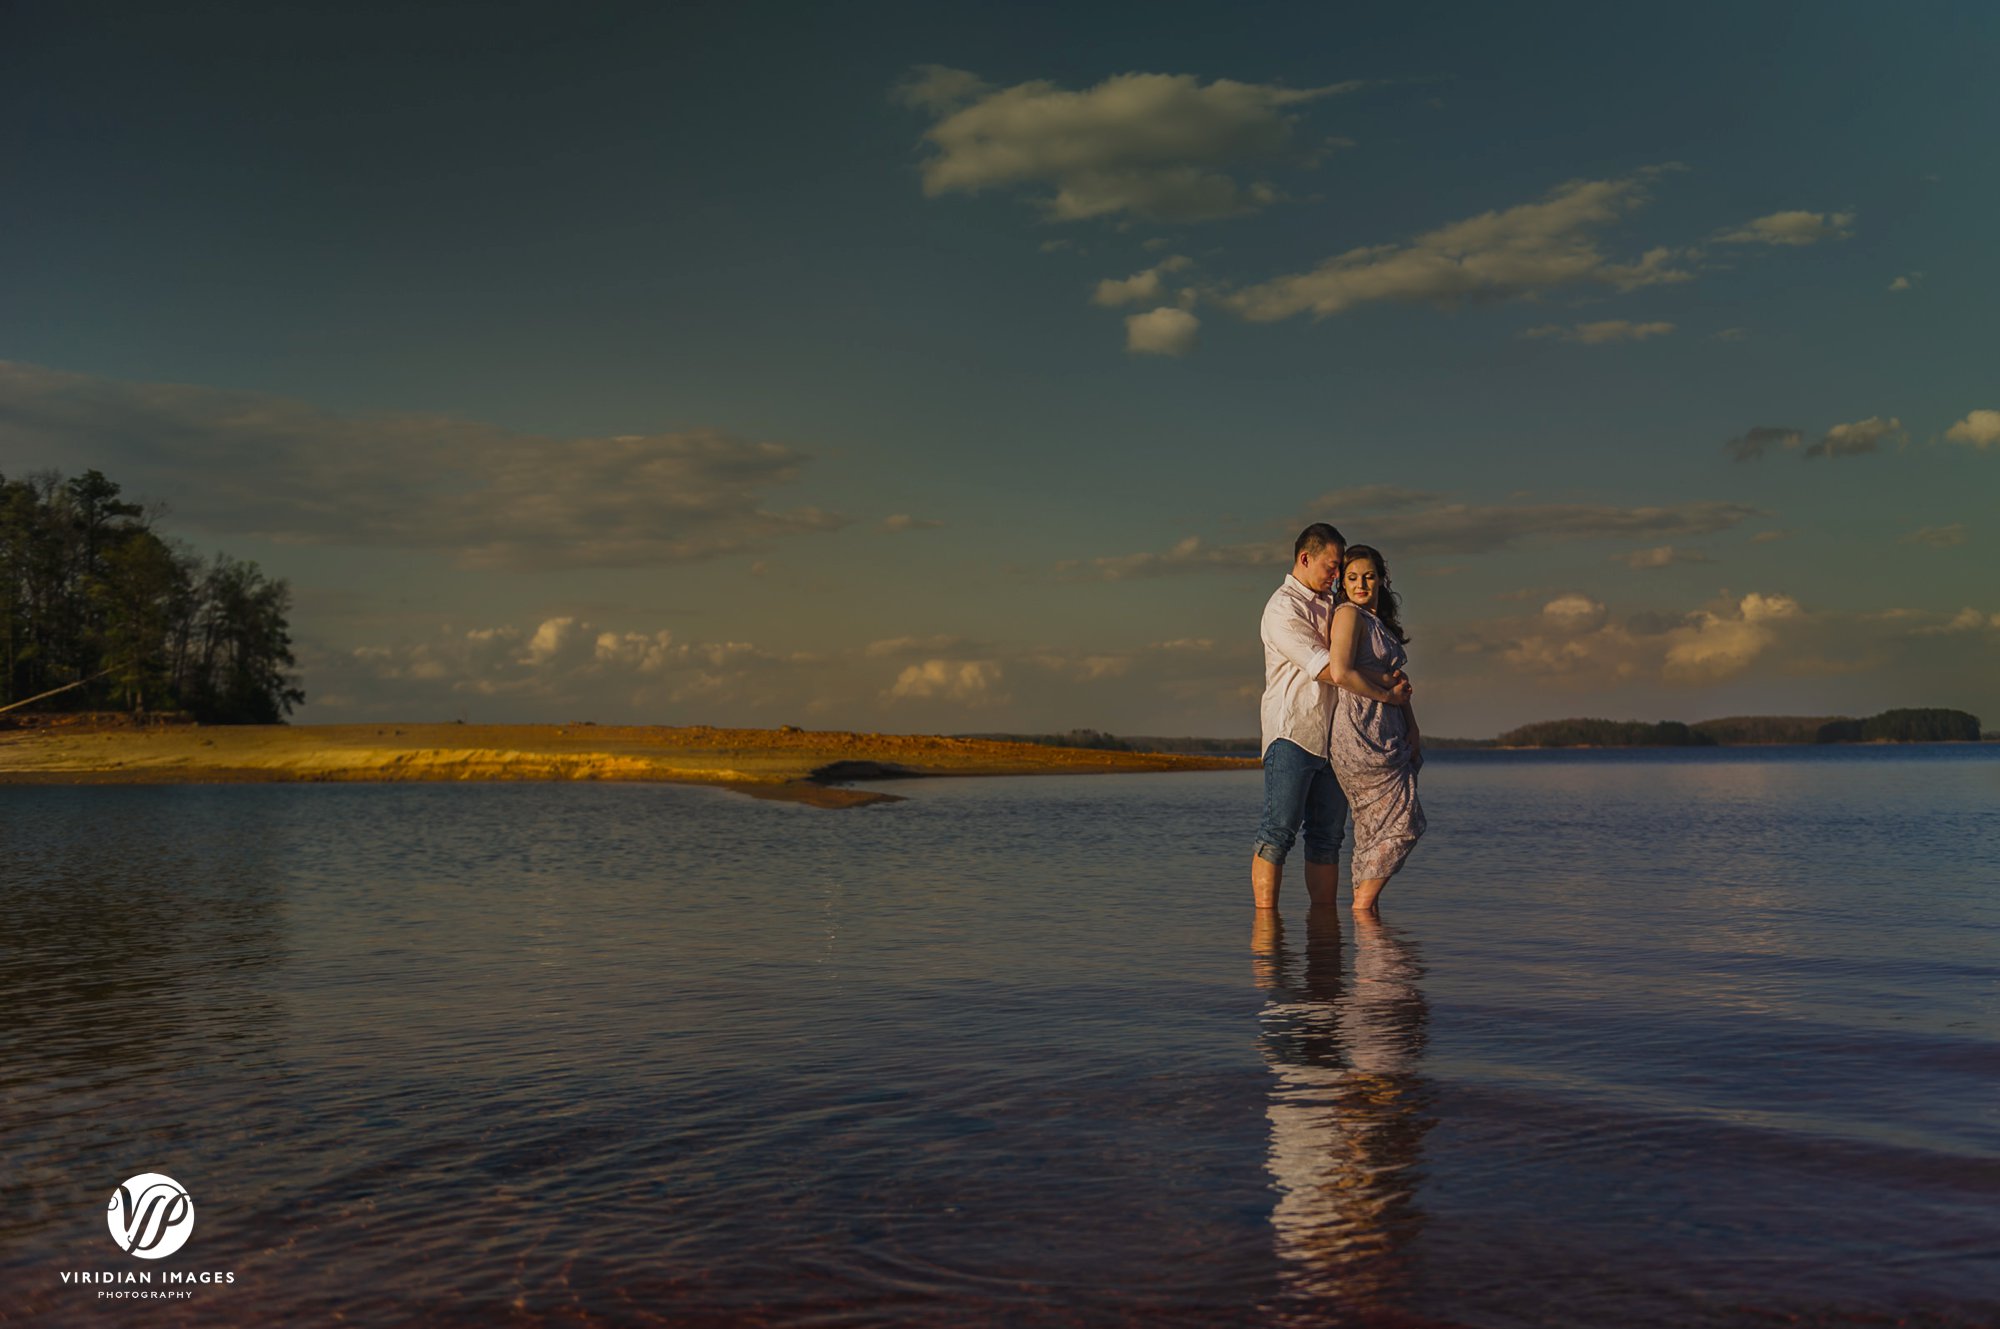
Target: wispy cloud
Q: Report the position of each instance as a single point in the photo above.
(1576, 641)
(1790, 228)
(1406, 521)
(1759, 439)
(486, 496)
(1937, 537)
(1517, 251)
(1967, 619)
(1371, 498)
(1472, 528)
(1160, 147)
(1191, 554)
(1908, 281)
(1852, 440)
(1663, 556)
(1600, 333)
(1146, 287)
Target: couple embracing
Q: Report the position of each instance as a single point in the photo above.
(1339, 731)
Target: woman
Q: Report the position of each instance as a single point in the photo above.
(1376, 748)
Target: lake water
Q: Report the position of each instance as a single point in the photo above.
(1642, 1039)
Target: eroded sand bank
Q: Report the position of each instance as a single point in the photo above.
(802, 765)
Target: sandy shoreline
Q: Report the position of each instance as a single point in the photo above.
(767, 763)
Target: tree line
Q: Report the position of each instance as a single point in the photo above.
(1909, 725)
(91, 595)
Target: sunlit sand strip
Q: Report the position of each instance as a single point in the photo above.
(785, 764)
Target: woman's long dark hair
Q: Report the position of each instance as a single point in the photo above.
(1388, 605)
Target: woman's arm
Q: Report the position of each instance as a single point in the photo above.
(1340, 670)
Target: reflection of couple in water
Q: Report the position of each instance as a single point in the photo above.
(1339, 732)
(1348, 1112)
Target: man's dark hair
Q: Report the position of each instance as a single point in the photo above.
(1315, 538)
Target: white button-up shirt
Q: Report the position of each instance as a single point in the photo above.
(1298, 624)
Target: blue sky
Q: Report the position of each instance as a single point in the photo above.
(929, 367)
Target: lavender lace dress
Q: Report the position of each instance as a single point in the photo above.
(1376, 762)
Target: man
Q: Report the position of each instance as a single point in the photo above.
(1297, 716)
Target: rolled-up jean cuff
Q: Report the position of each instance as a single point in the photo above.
(1300, 792)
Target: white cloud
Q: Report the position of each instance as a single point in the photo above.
(1906, 282)
(1790, 228)
(1851, 440)
(1162, 331)
(1574, 612)
(562, 664)
(555, 639)
(1981, 429)
(971, 682)
(1715, 646)
(644, 653)
(1575, 640)
(1139, 288)
(1757, 608)
(1601, 333)
(1161, 147)
(1520, 251)
(270, 466)
(1967, 619)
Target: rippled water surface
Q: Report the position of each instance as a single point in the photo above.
(1642, 1039)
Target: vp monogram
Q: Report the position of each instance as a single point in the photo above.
(150, 1216)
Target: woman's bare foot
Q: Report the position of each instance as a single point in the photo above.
(1366, 892)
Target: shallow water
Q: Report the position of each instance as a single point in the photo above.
(1643, 1039)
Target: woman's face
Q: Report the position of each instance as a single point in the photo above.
(1359, 580)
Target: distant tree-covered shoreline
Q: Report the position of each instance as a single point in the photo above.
(1910, 725)
(97, 609)
(1925, 725)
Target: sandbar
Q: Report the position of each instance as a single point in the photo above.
(806, 766)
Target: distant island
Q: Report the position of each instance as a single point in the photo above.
(1916, 725)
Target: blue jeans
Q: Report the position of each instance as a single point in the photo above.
(1299, 787)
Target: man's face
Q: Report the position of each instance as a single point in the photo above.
(1318, 570)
